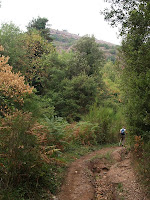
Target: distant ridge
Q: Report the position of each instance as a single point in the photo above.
(63, 40)
(66, 34)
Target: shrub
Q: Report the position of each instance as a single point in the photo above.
(104, 118)
(27, 158)
(84, 133)
(56, 135)
(141, 156)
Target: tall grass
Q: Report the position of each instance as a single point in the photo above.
(108, 119)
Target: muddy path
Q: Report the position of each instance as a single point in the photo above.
(104, 174)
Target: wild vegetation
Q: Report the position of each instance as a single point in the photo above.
(63, 40)
(54, 107)
(134, 59)
(57, 105)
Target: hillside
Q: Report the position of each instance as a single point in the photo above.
(63, 40)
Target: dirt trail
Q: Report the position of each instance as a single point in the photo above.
(104, 174)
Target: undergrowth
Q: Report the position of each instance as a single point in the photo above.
(34, 156)
(141, 161)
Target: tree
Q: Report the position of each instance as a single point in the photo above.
(36, 48)
(89, 50)
(25, 51)
(75, 96)
(10, 39)
(75, 64)
(133, 15)
(66, 74)
(12, 87)
(135, 57)
(40, 25)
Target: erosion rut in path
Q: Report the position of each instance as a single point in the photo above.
(104, 174)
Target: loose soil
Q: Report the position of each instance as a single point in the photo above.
(104, 174)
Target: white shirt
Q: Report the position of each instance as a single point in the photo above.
(124, 129)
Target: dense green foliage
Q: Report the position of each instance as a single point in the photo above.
(76, 100)
(135, 60)
(88, 48)
(134, 64)
(40, 25)
(51, 103)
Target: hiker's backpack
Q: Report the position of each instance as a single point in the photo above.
(122, 131)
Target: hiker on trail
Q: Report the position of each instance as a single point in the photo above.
(122, 135)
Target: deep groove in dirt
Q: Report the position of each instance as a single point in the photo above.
(104, 174)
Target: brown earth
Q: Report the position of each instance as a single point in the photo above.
(104, 174)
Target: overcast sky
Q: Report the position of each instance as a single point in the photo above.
(76, 16)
